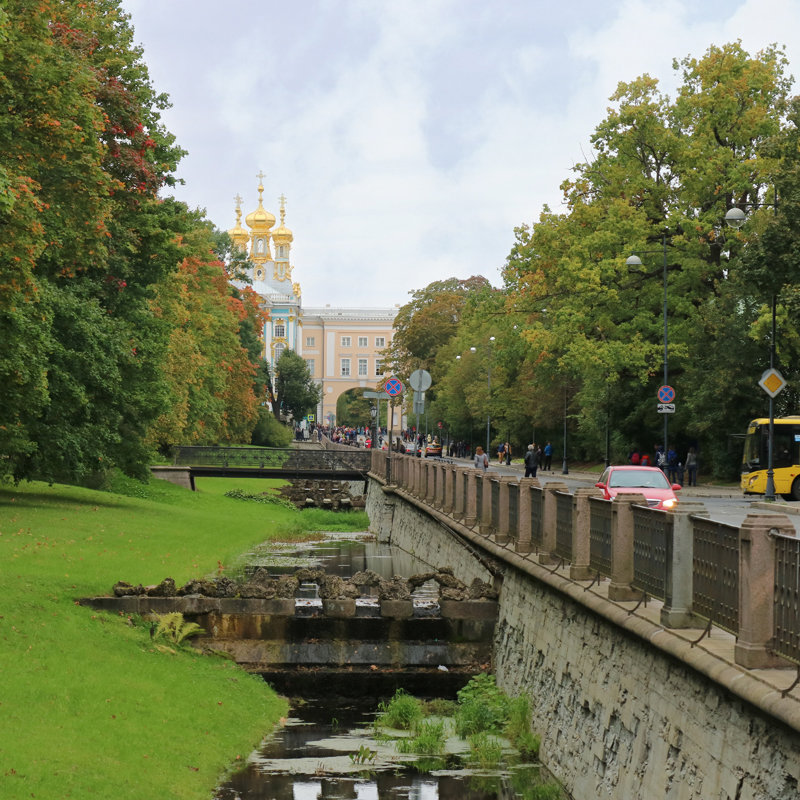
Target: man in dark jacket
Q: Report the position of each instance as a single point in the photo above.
(531, 461)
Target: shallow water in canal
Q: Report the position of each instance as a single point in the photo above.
(325, 749)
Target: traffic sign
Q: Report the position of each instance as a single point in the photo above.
(420, 380)
(666, 408)
(310, 417)
(393, 386)
(772, 382)
(377, 395)
(666, 394)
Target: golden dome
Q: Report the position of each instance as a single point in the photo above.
(238, 234)
(282, 235)
(260, 220)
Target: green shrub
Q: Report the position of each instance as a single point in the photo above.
(402, 712)
(174, 628)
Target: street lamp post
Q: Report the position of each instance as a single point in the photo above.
(735, 218)
(489, 399)
(635, 261)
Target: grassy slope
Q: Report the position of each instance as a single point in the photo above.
(88, 706)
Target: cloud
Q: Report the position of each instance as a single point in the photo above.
(410, 139)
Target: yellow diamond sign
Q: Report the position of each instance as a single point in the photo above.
(772, 382)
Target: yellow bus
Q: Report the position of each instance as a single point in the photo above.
(785, 457)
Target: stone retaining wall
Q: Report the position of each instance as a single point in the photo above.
(619, 717)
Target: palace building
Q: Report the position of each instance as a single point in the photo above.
(340, 345)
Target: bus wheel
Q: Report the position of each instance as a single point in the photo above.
(796, 489)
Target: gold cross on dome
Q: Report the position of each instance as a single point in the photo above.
(261, 175)
(238, 200)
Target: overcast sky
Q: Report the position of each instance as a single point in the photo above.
(410, 138)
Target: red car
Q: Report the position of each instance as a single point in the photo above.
(649, 481)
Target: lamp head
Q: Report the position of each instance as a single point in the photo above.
(735, 217)
(633, 261)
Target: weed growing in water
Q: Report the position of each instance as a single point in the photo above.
(485, 752)
(363, 755)
(402, 712)
(481, 707)
(518, 728)
(428, 739)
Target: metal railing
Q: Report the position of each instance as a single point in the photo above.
(786, 614)
(537, 509)
(715, 578)
(564, 525)
(274, 458)
(513, 509)
(600, 519)
(652, 542)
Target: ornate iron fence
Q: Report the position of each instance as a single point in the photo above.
(716, 572)
(513, 509)
(786, 633)
(564, 525)
(537, 505)
(495, 504)
(600, 535)
(652, 541)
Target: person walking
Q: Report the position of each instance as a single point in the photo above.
(507, 451)
(548, 457)
(691, 467)
(531, 461)
(481, 459)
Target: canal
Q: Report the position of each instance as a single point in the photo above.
(329, 747)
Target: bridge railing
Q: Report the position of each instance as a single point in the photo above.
(743, 579)
(275, 458)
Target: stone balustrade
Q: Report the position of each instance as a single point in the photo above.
(670, 555)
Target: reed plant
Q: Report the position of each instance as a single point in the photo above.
(90, 707)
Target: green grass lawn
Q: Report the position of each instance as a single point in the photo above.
(89, 706)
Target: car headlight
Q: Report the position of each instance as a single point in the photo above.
(670, 503)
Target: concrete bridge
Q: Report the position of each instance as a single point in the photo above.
(660, 649)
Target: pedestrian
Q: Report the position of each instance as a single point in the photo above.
(531, 460)
(501, 452)
(691, 467)
(672, 464)
(481, 459)
(634, 457)
(508, 452)
(548, 457)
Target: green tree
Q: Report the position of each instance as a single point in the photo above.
(83, 155)
(296, 392)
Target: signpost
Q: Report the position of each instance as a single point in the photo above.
(666, 404)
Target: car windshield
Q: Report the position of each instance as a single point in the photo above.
(638, 478)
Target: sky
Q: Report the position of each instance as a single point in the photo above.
(410, 139)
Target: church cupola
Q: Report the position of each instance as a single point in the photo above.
(259, 222)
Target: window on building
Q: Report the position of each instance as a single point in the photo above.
(346, 341)
(362, 367)
(310, 365)
(279, 348)
(378, 367)
(309, 341)
(280, 330)
(362, 341)
(380, 341)
(345, 367)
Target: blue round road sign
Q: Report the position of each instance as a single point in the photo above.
(393, 387)
(666, 394)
